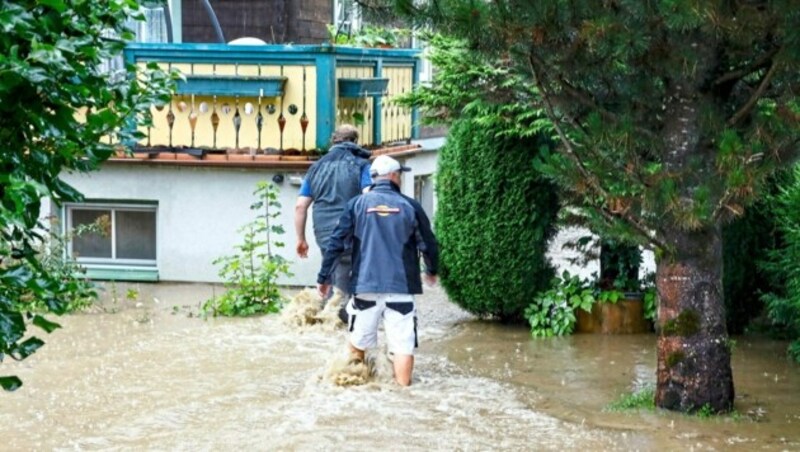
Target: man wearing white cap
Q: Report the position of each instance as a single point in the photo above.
(388, 231)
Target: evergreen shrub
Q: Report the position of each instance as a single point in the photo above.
(494, 218)
(745, 243)
(783, 265)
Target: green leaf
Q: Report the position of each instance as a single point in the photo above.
(12, 328)
(10, 384)
(45, 324)
(26, 348)
(58, 5)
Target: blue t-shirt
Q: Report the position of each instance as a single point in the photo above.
(366, 181)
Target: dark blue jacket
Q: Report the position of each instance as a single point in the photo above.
(388, 231)
(335, 179)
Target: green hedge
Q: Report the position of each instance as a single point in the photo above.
(745, 244)
(495, 216)
(783, 264)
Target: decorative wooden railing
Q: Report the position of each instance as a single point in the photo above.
(278, 99)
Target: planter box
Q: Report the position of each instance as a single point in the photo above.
(362, 87)
(232, 85)
(623, 317)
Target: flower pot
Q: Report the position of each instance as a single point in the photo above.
(626, 316)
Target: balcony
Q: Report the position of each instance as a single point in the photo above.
(275, 102)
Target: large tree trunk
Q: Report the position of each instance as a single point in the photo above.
(694, 359)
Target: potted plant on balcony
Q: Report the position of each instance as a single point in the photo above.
(369, 36)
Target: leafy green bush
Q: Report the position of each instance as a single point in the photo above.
(52, 55)
(552, 312)
(495, 216)
(783, 304)
(52, 256)
(250, 276)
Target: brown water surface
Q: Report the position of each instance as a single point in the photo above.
(576, 378)
(145, 374)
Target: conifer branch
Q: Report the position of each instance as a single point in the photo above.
(587, 175)
(586, 100)
(748, 106)
(761, 62)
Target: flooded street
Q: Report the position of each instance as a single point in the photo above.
(145, 373)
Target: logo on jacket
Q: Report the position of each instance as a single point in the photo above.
(383, 211)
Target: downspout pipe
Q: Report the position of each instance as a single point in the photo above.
(168, 20)
(214, 21)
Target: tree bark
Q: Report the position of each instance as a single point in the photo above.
(694, 359)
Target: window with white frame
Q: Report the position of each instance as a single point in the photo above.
(125, 234)
(346, 16)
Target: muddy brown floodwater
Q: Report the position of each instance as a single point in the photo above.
(144, 373)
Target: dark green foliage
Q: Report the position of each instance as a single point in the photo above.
(783, 265)
(619, 266)
(746, 243)
(619, 80)
(51, 253)
(495, 216)
(251, 275)
(51, 55)
(671, 116)
(552, 312)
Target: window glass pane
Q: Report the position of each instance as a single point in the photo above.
(136, 234)
(91, 244)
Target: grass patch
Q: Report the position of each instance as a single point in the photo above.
(644, 399)
(641, 399)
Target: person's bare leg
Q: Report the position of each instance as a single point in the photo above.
(356, 352)
(403, 366)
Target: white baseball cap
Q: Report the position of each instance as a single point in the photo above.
(383, 165)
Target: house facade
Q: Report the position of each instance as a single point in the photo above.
(242, 114)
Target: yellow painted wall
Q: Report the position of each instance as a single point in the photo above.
(347, 107)
(299, 90)
(396, 120)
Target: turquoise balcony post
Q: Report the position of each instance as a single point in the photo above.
(326, 96)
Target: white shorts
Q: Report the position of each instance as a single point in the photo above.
(399, 315)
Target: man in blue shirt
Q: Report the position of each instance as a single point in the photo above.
(340, 175)
(388, 232)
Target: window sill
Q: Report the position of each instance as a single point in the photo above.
(108, 273)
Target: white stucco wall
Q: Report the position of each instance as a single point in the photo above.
(199, 213)
(201, 209)
(561, 257)
(421, 164)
